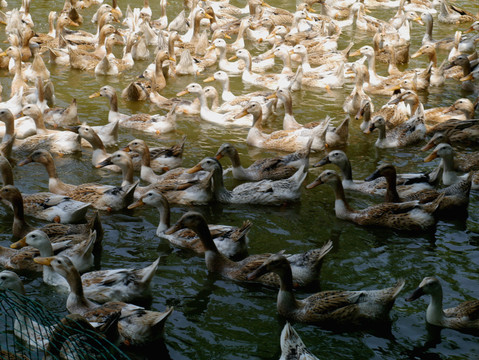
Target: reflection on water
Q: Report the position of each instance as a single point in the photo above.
(220, 319)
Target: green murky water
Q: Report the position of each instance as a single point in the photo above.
(216, 318)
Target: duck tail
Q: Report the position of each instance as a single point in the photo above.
(241, 233)
(321, 253)
(148, 272)
(90, 246)
(95, 224)
(433, 206)
(395, 290)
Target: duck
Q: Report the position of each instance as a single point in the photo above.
(230, 101)
(156, 124)
(306, 266)
(61, 117)
(352, 103)
(265, 192)
(455, 201)
(407, 216)
(47, 206)
(79, 249)
(99, 151)
(450, 166)
(20, 227)
(333, 308)
(461, 109)
(100, 196)
(292, 347)
(207, 114)
(157, 159)
(35, 334)
(462, 317)
(452, 14)
(468, 68)
(110, 93)
(454, 132)
(231, 241)
(177, 185)
(377, 187)
(136, 326)
(60, 142)
(410, 132)
(283, 140)
(445, 44)
(276, 168)
(127, 285)
(454, 72)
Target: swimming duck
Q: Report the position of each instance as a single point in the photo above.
(60, 117)
(99, 151)
(128, 285)
(265, 169)
(452, 14)
(45, 205)
(20, 227)
(409, 216)
(462, 317)
(207, 114)
(265, 192)
(454, 132)
(231, 241)
(410, 132)
(177, 185)
(102, 197)
(284, 140)
(333, 308)
(456, 197)
(292, 347)
(352, 103)
(306, 267)
(340, 159)
(79, 249)
(110, 93)
(136, 326)
(450, 165)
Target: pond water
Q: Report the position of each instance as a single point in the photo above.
(215, 318)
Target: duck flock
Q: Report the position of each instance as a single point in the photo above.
(102, 177)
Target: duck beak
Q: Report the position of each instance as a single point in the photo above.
(373, 176)
(126, 148)
(26, 161)
(416, 54)
(315, 183)
(94, 95)
(44, 260)
(471, 29)
(257, 273)
(184, 92)
(369, 129)
(431, 156)
(415, 295)
(73, 128)
(173, 229)
(467, 77)
(355, 53)
(209, 79)
(418, 20)
(395, 101)
(272, 96)
(428, 146)
(234, 57)
(194, 169)
(104, 163)
(322, 162)
(219, 156)
(270, 56)
(19, 244)
(212, 47)
(208, 16)
(136, 204)
(241, 114)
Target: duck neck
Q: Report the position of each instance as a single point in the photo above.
(226, 93)
(391, 191)
(113, 102)
(235, 160)
(287, 64)
(39, 123)
(427, 38)
(96, 142)
(164, 211)
(286, 301)
(6, 171)
(218, 186)
(433, 57)
(77, 302)
(9, 129)
(127, 172)
(341, 206)
(20, 226)
(146, 157)
(305, 62)
(434, 312)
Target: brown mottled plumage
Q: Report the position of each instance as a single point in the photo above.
(409, 216)
(333, 308)
(307, 265)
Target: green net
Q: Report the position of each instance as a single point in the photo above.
(29, 331)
